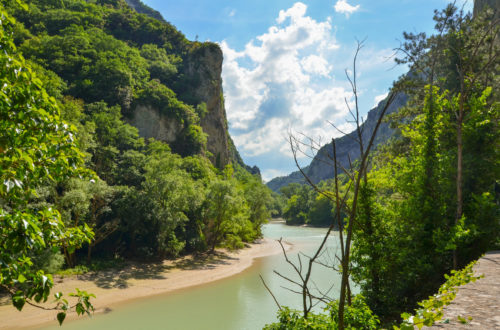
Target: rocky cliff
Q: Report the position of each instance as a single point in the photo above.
(321, 167)
(141, 8)
(203, 66)
(347, 148)
(198, 83)
(480, 5)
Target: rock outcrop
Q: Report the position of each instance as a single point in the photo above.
(151, 123)
(347, 148)
(199, 81)
(480, 5)
(141, 8)
(203, 66)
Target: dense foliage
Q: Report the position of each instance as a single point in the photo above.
(358, 316)
(431, 310)
(432, 191)
(36, 146)
(303, 205)
(103, 51)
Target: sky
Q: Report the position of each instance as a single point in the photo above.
(285, 62)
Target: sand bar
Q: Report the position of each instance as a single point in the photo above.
(138, 280)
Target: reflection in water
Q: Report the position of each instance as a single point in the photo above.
(237, 302)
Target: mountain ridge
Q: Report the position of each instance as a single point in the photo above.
(321, 167)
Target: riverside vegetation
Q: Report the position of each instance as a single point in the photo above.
(78, 182)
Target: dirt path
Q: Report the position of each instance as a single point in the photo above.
(479, 300)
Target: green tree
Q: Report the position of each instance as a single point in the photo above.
(173, 195)
(320, 213)
(297, 207)
(35, 146)
(222, 211)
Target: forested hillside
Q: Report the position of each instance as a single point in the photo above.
(144, 110)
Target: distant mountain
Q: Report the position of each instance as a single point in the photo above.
(281, 181)
(321, 166)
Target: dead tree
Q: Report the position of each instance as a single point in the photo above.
(355, 172)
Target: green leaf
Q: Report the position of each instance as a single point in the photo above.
(18, 300)
(79, 309)
(60, 317)
(21, 279)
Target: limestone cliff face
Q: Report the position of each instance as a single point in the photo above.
(151, 123)
(198, 81)
(347, 148)
(203, 66)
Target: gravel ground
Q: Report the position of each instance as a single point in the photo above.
(479, 300)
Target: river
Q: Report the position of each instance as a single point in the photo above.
(237, 302)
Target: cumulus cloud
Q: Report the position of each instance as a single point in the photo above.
(282, 81)
(342, 7)
(379, 98)
(232, 13)
(269, 174)
(316, 65)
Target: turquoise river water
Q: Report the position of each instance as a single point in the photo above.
(237, 302)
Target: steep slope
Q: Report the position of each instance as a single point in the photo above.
(200, 83)
(125, 54)
(141, 8)
(321, 166)
(480, 5)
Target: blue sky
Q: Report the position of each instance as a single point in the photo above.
(284, 63)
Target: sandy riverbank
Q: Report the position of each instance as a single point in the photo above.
(141, 280)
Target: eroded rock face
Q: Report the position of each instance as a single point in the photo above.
(204, 65)
(152, 124)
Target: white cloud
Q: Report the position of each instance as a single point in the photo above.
(316, 65)
(281, 81)
(269, 174)
(379, 98)
(232, 13)
(342, 7)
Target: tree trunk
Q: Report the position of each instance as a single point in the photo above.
(89, 253)
(459, 177)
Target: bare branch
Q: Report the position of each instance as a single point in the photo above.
(270, 292)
